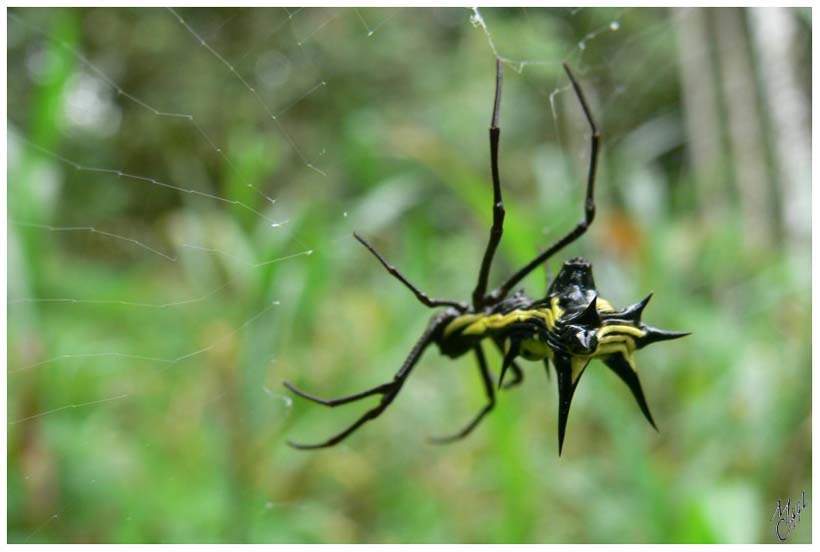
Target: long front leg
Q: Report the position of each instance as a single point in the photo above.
(498, 205)
(589, 203)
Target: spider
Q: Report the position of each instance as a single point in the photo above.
(569, 327)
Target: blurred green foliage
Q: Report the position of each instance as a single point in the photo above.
(146, 405)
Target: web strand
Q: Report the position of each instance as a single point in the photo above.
(168, 362)
(154, 181)
(68, 407)
(250, 89)
(128, 95)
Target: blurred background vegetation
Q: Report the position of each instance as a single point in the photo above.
(149, 333)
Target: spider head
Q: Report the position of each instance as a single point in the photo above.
(574, 284)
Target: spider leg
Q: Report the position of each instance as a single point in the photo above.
(512, 352)
(336, 439)
(420, 295)
(589, 203)
(378, 390)
(489, 389)
(388, 390)
(497, 227)
(517, 373)
(517, 378)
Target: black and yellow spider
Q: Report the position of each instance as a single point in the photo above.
(568, 327)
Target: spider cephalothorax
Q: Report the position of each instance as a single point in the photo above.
(569, 327)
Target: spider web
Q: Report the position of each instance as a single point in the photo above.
(205, 155)
(267, 83)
